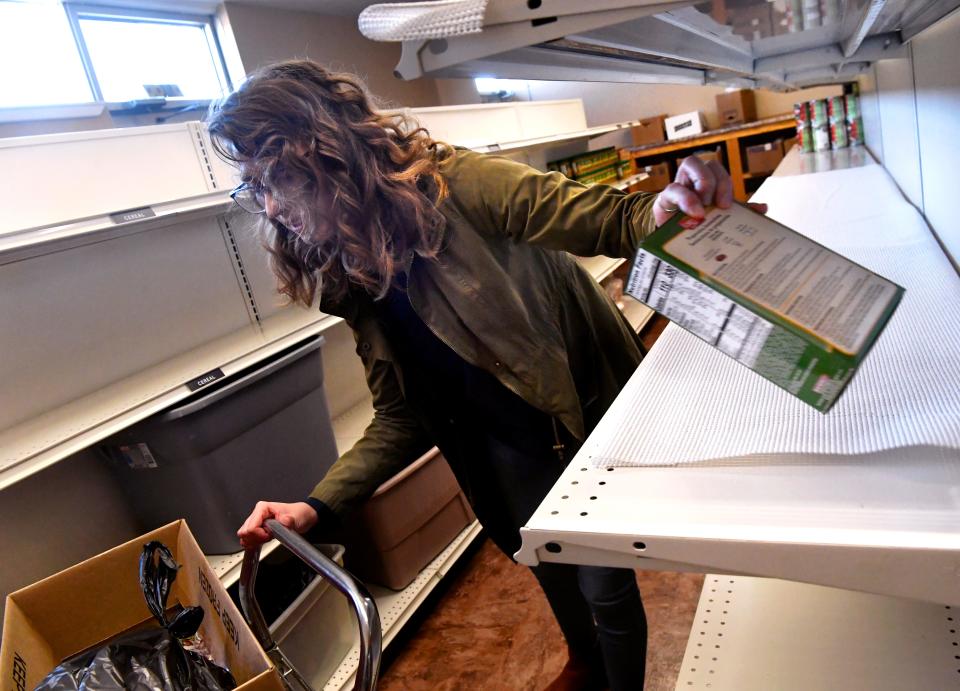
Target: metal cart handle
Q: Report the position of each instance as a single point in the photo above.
(371, 638)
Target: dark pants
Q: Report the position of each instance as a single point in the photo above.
(598, 608)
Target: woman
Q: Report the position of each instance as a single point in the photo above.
(476, 333)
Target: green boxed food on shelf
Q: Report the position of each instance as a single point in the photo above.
(603, 175)
(788, 308)
(576, 167)
(561, 166)
(595, 160)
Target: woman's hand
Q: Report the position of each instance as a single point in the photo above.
(298, 516)
(698, 184)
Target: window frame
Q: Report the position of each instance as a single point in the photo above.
(74, 11)
(81, 10)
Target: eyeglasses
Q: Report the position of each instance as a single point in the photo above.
(249, 197)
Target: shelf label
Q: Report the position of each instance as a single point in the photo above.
(132, 215)
(204, 379)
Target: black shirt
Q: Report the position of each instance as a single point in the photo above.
(449, 394)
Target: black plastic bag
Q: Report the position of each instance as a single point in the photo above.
(154, 658)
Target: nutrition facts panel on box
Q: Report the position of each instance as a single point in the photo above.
(698, 308)
(811, 286)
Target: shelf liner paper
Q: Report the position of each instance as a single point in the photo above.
(690, 403)
(414, 21)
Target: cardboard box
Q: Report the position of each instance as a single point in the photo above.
(407, 522)
(91, 602)
(685, 125)
(659, 177)
(649, 131)
(764, 158)
(736, 107)
(795, 312)
(752, 22)
(781, 18)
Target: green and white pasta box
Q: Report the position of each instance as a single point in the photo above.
(790, 309)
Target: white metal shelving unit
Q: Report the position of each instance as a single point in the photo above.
(886, 522)
(46, 439)
(553, 140)
(636, 313)
(600, 267)
(20, 244)
(755, 634)
(514, 126)
(159, 237)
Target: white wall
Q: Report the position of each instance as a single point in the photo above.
(898, 125)
(264, 35)
(870, 110)
(913, 106)
(608, 102)
(936, 57)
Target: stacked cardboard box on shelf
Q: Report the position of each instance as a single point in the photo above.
(658, 177)
(685, 125)
(755, 20)
(649, 131)
(736, 107)
(752, 22)
(389, 541)
(764, 158)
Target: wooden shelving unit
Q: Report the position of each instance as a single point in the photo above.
(732, 140)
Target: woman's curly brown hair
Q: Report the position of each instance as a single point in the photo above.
(364, 186)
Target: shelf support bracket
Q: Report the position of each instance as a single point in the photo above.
(425, 56)
(867, 20)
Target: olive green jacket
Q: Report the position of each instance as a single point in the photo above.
(503, 297)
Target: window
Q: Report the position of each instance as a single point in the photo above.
(41, 65)
(135, 55)
(56, 52)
